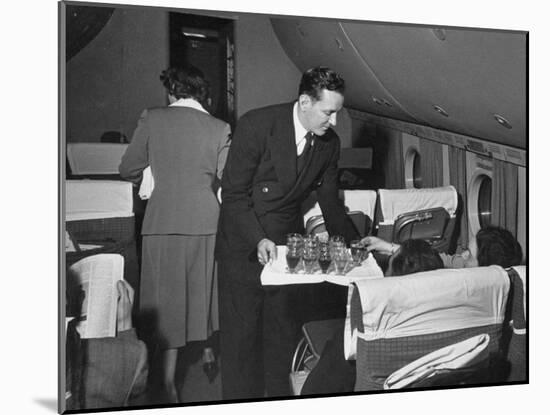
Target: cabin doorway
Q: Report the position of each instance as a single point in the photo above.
(207, 43)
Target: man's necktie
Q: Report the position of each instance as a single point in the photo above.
(301, 160)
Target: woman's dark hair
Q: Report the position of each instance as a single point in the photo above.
(414, 255)
(497, 246)
(314, 80)
(185, 82)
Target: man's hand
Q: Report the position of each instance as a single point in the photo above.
(124, 306)
(267, 251)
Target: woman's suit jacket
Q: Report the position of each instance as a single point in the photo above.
(261, 191)
(186, 149)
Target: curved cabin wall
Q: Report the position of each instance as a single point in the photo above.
(456, 80)
(112, 79)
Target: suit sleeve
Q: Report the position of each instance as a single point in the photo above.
(223, 149)
(136, 157)
(336, 219)
(242, 161)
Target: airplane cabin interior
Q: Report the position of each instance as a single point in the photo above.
(433, 146)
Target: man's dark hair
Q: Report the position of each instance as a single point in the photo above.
(497, 246)
(414, 255)
(185, 82)
(314, 80)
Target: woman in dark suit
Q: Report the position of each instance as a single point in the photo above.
(185, 148)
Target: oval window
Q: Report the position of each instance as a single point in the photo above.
(484, 207)
(413, 170)
(417, 171)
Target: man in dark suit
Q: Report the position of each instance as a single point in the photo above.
(278, 155)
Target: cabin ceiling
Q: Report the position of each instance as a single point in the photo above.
(459, 80)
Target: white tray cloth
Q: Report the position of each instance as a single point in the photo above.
(98, 199)
(398, 201)
(276, 274)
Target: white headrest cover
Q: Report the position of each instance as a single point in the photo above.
(396, 202)
(95, 158)
(95, 199)
(354, 200)
(432, 302)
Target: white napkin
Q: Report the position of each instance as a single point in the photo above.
(147, 184)
(447, 358)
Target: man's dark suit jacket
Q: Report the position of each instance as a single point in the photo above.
(261, 193)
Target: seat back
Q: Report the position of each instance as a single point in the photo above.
(97, 199)
(95, 158)
(396, 320)
(427, 214)
(99, 215)
(316, 224)
(516, 344)
(354, 201)
(460, 363)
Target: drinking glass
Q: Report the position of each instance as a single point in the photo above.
(310, 252)
(358, 251)
(324, 257)
(310, 241)
(294, 250)
(294, 239)
(340, 260)
(336, 242)
(293, 256)
(310, 257)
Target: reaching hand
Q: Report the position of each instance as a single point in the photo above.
(377, 244)
(124, 305)
(267, 251)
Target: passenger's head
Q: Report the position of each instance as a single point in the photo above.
(496, 246)
(185, 82)
(320, 97)
(414, 255)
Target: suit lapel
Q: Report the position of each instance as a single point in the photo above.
(282, 146)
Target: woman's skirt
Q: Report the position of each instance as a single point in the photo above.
(178, 289)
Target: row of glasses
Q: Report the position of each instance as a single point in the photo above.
(313, 250)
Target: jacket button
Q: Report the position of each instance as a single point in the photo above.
(265, 189)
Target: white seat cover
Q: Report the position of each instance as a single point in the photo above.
(426, 303)
(95, 158)
(96, 199)
(398, 201)
(354, 200)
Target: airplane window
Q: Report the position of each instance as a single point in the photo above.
(484, 201)
(417, 171)
(413, 171)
